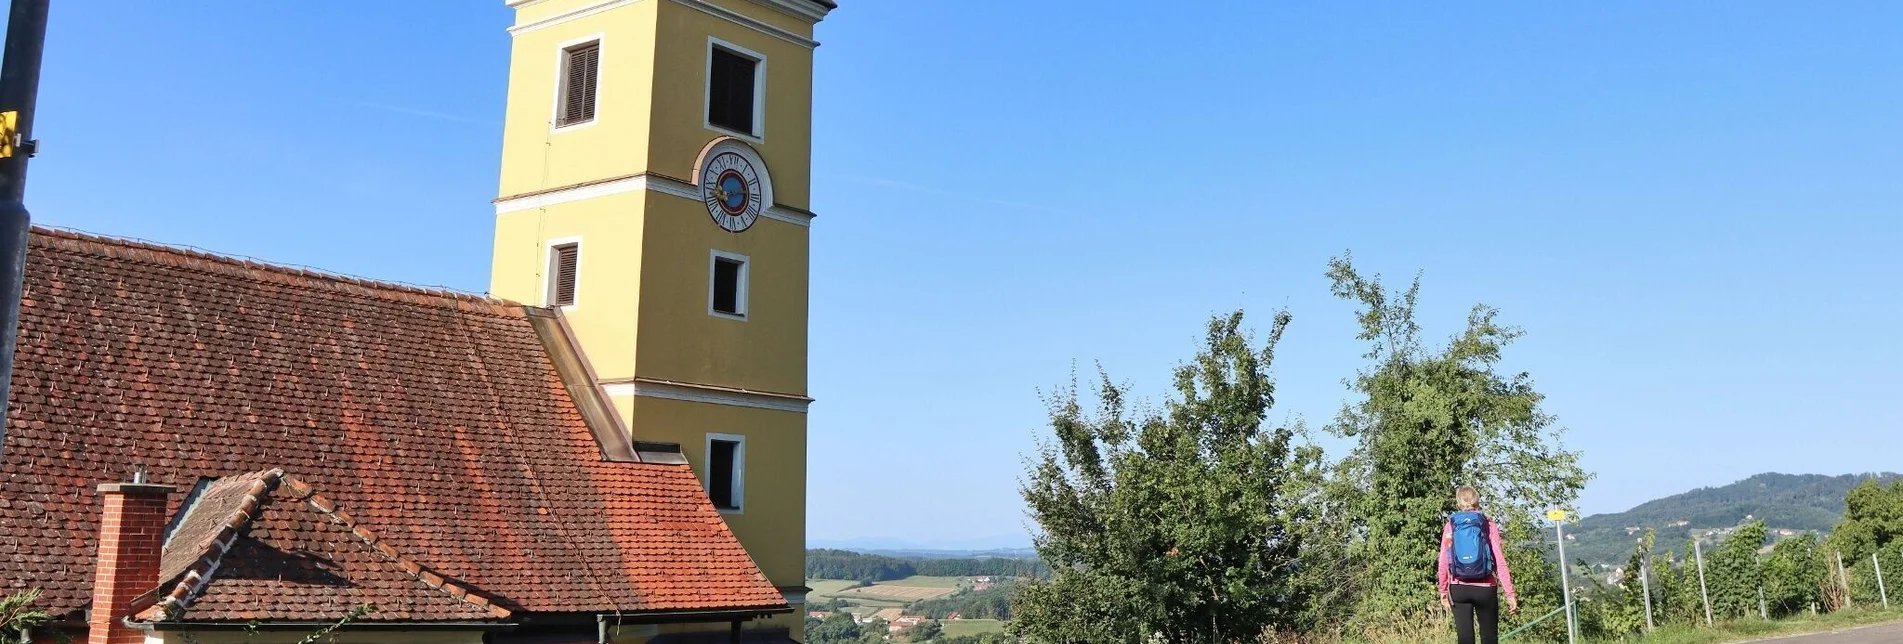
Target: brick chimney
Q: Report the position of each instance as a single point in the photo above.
(131, 536)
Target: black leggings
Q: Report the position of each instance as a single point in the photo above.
(1469, 600)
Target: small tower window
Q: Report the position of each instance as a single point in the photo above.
(581, 67)
(726, 468)
(563, 262)
(727, 292)
(733, 89)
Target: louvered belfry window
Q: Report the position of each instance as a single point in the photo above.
(730, 91)
(581, 66)
(563, 260)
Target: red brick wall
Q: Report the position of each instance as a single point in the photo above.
(131, 535)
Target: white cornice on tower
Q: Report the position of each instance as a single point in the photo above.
(807, 9)
(810, 10)
(699, 5)
(634, 183)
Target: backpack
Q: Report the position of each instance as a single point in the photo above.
(1472, 556)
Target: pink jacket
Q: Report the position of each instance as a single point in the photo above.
(1502, 577)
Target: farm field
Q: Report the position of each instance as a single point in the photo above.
(955, 627)
(895, 591)
(864, 607)
(909, 589)
(824, 589)
(931, 582)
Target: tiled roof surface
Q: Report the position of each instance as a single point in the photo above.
(265, 545)
(434, 416)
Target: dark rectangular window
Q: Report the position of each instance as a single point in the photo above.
(563, 261)
(722, 462)
(581, 66)
(731, 84)
(728, 278)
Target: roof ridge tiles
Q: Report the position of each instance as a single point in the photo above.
(198, 259)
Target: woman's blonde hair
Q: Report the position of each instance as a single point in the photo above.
(1467, 498)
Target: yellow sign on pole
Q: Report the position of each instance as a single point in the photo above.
(1556, 514)
(9, 123)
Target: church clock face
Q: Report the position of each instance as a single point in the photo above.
(733, 189)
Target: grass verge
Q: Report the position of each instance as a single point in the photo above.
(1754, 629)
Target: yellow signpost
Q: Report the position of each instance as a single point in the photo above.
(9, 123)
(1558, 517)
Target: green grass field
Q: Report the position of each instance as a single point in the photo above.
(972, 626)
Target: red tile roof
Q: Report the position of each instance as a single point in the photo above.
(266, 545)
(434, 416)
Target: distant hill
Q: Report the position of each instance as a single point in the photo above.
(826, 563)
(1796, 502)
(999, 553)
(924, 544)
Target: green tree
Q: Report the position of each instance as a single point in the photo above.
(927, 631)
(1321, 519)
(990, 603)
(837, 628)
(1872, 523)
(1429, 420)
(1623, 607)
(1731, 572)
(1667, 589)
(1873, 517)
(1170, 522)
(1794, 575)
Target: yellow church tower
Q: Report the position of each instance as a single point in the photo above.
(656, 171)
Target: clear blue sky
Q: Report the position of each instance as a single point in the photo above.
(1693, 209)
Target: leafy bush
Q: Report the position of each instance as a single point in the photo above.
(18, 614)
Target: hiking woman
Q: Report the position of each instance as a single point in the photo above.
(1473, 569)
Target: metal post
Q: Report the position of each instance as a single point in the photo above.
(1881, 591)
(19, 90)
(1699, 552)
(1843, 577)
(1565, 585)
(1531, 624)
(1645, 582)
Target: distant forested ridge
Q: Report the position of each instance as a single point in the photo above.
(859, 566)
(1796, 502)
(846, 564)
